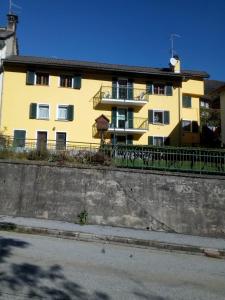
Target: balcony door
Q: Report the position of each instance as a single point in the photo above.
(122, 89)
(121, 118)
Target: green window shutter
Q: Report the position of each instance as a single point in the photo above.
(70, 113)
(30, 78)
(130, 89)
(130, 140)
(150, 140)
(19, 138)
(130, 115)
(114, 112)
(149, 88)
(186, 101)
(150, 116)
(114, 88)
(77, 82)
(195, 126)
(169, 90)
(33, 110)
(166, 117)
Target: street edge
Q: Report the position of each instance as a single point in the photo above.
(90, 237)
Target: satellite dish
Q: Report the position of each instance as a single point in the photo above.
(173, 61)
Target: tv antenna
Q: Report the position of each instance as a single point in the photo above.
(172, 37)
(13, 5)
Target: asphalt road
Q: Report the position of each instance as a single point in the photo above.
(40, 267)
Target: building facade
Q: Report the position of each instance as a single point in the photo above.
(52, 99)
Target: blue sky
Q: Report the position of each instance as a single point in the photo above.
(133, 32)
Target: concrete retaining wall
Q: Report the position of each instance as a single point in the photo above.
(141, 199)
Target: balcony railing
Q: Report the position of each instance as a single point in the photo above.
(134, 125)
(121, 95)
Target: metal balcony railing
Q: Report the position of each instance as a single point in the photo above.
(121, 94)
(136, 125)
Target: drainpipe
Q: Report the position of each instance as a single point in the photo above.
(179, 117)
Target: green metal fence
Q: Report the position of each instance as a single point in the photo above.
(191, 160)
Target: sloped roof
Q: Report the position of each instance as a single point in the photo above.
(212, 85)
(97, 66)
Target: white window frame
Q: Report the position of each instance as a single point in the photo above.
(158, 136)
(66, 87)
(35, 78)
(38, 113)
(57, 112)
(164, 85)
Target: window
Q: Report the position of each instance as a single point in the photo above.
(66, 81)
(60, 140)
(186, 126)
(43, 111)
(158, 117)
(19, 138)
(62, 112)
(42, 78)
(158, 141)
(186, 101)
(159, 89)
(65, 112)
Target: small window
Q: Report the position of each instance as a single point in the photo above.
(66, 81)
(186, 101)
(43, 111)
(42, 78)
(158, 117)
(159, 89)
(186, 126)
(158, 141)
(62, 112)
(65, 112)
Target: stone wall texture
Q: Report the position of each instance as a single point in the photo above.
(120, 197)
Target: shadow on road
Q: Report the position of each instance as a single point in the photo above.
(34, 282)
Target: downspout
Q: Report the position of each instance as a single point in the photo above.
(179, 117)
(1, 96)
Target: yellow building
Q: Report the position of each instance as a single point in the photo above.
(54, 99)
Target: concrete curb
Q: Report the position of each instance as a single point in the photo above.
(90, 237)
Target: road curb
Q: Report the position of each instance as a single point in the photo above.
(90, 237)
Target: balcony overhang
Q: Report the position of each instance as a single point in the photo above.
(125, 102)
(127, 130)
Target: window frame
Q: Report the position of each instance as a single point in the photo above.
(38, 111)
(185, 131)
(159, 87)
(64, 148)
(66, 75)
(189, 96)
(57, 112)
(158, 111)
(42, 73)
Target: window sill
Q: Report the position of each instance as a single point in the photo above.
(42, 119)
(62, 120)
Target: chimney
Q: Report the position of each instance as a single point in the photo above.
(176, 67)
(12, 22)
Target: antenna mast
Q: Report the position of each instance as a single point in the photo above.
(172, 36)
